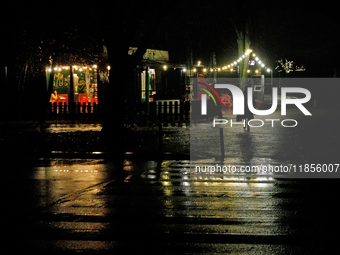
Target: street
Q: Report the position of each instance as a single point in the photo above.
(159, 207)
(59, 204)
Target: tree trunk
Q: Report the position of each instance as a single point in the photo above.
(243, 43)
(122, 69)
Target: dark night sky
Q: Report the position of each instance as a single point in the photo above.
(307, 34)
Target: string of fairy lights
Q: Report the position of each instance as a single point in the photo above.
(76, 68)
(231, 67)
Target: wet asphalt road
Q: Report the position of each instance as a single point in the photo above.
(96, 206)
(61, 206)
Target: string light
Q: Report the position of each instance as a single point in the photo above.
(77, 68)
(247, 52)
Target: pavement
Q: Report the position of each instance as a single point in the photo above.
(100, 205)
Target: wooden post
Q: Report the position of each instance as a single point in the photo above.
(65, 108)
(89, 109)
(176, 111)
(159, 111)
(60, 106)
(170, 112)
(222, 144)
(54, 108)
(83, 109)
(165, 110)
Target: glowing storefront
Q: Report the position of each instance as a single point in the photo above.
(85, 84)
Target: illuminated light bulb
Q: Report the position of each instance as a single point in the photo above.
(55, 69)
(256, 58)
(195, 70)
(248, 71)
(94, 66)
(211, 70)
(184, 70)
(262, 65)
(219, 69)
(229, 65)
(49, 69)
(243, 56)
(165, 67)
(231, 69)
(260, 61)
(199, 63)
(235, 63)
(256, 71)
(204, 70)
(268, 70)
(109, 68)
(80, 69)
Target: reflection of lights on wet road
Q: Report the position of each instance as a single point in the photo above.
(60, 128)
(81, 171)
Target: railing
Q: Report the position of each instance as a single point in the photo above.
(169, 111)
(164, 111)
(64, 111)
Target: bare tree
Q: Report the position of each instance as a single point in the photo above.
(242, 29)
